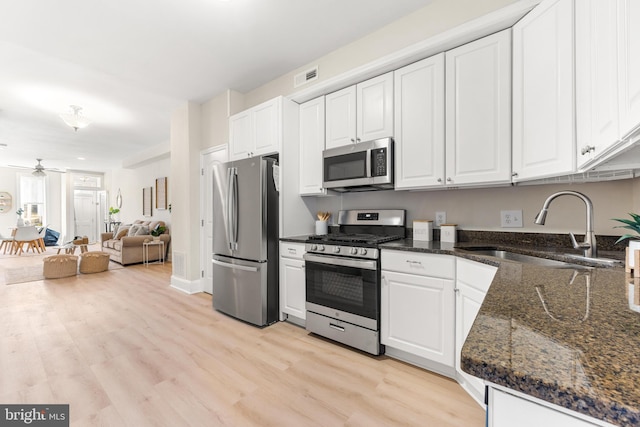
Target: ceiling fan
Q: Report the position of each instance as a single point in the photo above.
(38, 169)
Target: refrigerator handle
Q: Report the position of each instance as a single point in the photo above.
(235, 266)
(229, 201)
(233, 209)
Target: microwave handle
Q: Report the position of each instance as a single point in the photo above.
(368, 164)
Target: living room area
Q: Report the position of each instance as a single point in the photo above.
(81, 204)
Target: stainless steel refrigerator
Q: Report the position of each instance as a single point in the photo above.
(245, 240)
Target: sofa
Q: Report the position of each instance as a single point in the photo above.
(125, 244)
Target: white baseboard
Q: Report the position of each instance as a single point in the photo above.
(186, 286)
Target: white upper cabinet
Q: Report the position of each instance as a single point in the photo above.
(312, 136)
(475, 104)
(544, 141)
(478, 111)
(597, 104)
(419, 124)
(374, 118)
(240, 134)
(360, 113)
(256, 131)
(341, 117)
(629, 48)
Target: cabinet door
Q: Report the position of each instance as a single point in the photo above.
(267, 127)
(341, 117)
(543, 98)
(417, 316)
(478, 135)
(311, 145)
(419, 124)
(374, 103)
(472, 282)
(597, 103)
(240, 134)
(292, 287)
(629, 40)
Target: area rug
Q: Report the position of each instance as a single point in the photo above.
(33, 273)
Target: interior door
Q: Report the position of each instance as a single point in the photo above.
(208, 160)
(85, 208)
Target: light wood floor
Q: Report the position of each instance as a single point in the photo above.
(125, 349)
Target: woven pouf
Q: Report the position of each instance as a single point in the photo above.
(57, 266)
(94, 262)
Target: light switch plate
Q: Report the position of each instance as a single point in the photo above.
(511, 219)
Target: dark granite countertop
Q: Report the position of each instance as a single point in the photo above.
(567, 336)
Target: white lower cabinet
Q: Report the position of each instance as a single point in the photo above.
(472, 283)
(506, 409)
(417, 306)
(292, 282)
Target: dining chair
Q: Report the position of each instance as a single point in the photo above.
(25, 236)
(6, 243)
(41, 235)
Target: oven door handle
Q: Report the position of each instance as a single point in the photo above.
(341, 262)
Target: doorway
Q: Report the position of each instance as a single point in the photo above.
(88, 213)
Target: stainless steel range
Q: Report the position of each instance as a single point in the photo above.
(342, 272)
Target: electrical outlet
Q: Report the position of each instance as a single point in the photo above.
(441, 218)
(511, 219)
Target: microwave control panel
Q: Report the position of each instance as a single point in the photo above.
(379, 162)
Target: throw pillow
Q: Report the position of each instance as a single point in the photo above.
(133, 230)
(122, 232)
(143, 231)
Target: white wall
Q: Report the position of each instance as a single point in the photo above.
(131, 181)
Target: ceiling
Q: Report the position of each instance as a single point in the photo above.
(129, 64)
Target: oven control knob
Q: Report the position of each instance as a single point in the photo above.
(363, 251)
(336, 249)
(353, 251)
(314, 247)
(321, 248)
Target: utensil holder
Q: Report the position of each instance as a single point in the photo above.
(322, 228)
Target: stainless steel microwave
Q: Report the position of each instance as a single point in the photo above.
(362, 166)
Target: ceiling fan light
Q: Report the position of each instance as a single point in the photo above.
(38, 172)
(75, 119)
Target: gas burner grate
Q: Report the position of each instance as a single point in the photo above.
(353, 238)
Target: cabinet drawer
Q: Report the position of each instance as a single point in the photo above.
(291, 250)
(433, 265)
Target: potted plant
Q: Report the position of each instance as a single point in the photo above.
(634, 239)
(112, 212)
(156, 232)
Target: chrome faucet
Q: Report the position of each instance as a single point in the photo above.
(589, 247)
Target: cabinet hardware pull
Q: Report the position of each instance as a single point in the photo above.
(414, 262)
(439, 179)
(514, 174)
(449, 179)
(336, 327)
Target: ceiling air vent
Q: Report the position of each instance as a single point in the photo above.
(305, 77)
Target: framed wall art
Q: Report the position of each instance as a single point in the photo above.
(146, 201)
(5, 202)
(161, 193)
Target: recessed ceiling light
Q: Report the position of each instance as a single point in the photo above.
(81, 158)
(3, 146)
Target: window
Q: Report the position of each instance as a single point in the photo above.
(32, 199)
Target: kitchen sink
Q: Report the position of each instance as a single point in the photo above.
(525, 259)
